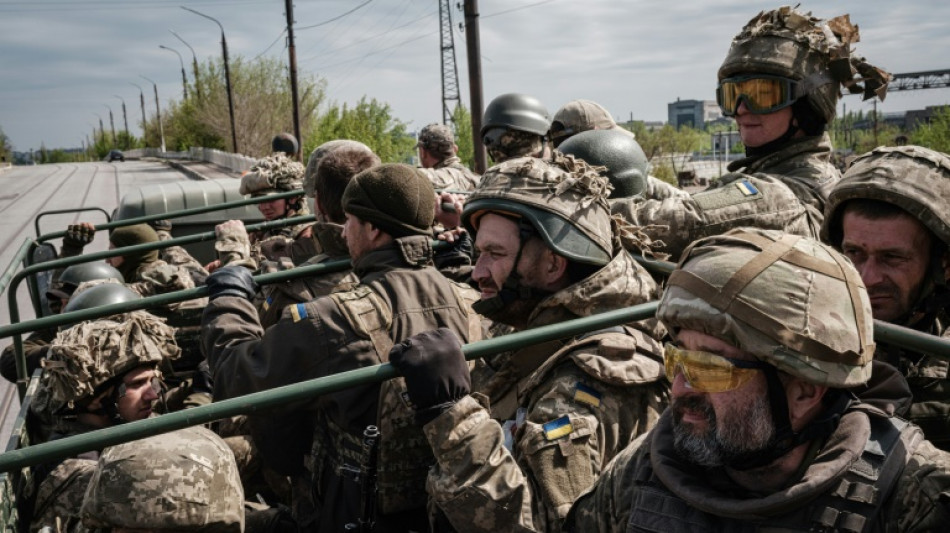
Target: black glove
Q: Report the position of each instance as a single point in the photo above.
(435, 369)
(78, 236)
(231, 281)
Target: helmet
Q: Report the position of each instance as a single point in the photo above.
(815, 53)
(274, 173)
(518, 112)
(310, 174)
(185, 480)
(87, 357)
(791, 301)
(285, 143)
(90, 294)
(74, 275)
(564, 200)
(914, 178)
(581, 115)
(627, 165)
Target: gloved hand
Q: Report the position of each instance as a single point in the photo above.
(437, 375)
(78, 236)
(233, 244)
(231, 280)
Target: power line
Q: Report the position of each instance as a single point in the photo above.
(338, 17)
(271, 45)
(519, 8)
(101, 5)
(344, 47)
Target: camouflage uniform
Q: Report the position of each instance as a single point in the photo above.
(918, 181)
(540, 429)
(799, 307)
(278, 173)
(449, 173)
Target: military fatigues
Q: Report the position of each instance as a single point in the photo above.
(784, 190)
(293, 242)
(657, 189)
(332, 334)
(847, 484)
(34, 348)
(515, 457)
(451, 174)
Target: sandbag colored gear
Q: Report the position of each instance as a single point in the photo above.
(627, 166)
(274, 173)
(518, 112)
(815, 53)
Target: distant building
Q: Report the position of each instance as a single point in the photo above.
(692, 113)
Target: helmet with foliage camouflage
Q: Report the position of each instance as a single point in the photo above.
(74, 275)
(274, 173)
(790, 301)
(914, 178)
(627, 165)
(310, 174)
(518, 112)
(564, 200)
(815, 53)
(88, 357)
(186, 480)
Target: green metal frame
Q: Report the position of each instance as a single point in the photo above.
(36, 222)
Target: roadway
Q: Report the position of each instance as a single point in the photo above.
(26, 191)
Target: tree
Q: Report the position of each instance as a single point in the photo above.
(369, 122)
(6, 149)
(463, 135)
(935, 134)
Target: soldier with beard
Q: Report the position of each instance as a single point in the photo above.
(777, 422)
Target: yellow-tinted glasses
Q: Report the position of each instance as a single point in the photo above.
(762, 94)
(708, 372)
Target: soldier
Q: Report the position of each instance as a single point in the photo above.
(578, 116)
(538, 432)
(389, 210)
(515, 125)
(780, 80)
(285, 143)
(890, 215)
(185, 480)
(177, 255)
(626, 166)
(774, 423)
(437, 153)
(98, 374)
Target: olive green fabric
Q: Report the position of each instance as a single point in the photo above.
(395, 197)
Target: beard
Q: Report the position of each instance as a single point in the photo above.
(745, 429)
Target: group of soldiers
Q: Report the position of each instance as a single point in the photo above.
(756, 399)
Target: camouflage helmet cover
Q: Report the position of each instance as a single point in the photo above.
(790, 301)
(274, 173)
(186, 480)
(914, 178)
(88, 355)
(564, 199)
(627, 166)
(310, 174)
(788, 43)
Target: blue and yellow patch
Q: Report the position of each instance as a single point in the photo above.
(747, 188)
(586, 395)
(299, 312)
(267, 302)
(557, 428)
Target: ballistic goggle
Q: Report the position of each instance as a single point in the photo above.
(709, 372)
(762, 94)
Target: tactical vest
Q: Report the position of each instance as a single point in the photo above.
(404, 452)
(855, 504)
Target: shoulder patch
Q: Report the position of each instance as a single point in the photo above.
(557, 428)
(299, 312)
(739, 192)
(268, 302)
(586, 395)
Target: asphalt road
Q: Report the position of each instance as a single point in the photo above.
(27, 191)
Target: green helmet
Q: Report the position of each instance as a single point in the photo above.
(518, 112)
(564, 200)
(186, 480)
(914, 178)
(285, 143)
(790, 301)
(310, 174)
(74, 275)
(627, 165)
(815, 53)
(90, 294)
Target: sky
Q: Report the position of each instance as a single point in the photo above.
(63, 62)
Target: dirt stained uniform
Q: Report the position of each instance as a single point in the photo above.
(451, 174)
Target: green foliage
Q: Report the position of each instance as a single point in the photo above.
(463, 135)
(936, 134)
(664, 172)
(6, 149)
(369, 122)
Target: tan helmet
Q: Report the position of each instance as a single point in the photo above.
(816, 53)
(310, 174)
(790, 301)
(186, 480)
(564, 199)
(85, 358)
(274, 173)
(914, 178)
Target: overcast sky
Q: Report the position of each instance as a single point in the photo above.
(61, 61)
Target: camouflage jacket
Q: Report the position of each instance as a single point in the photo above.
(316, 339)
(552, 416)
(657, 189)
(785, 190)
(451, 174)
(159, 277)
(846, 484)
(35, 347)
(293, 242)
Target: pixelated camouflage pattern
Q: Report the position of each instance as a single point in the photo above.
(451, 174)
(438, 140)
(88, 354)
(183, 480)
(806, 303)
(233, 246)
(60, 495)
(789, 43)
(657, 189)
(274, 173)
(513, 144)
(792, 184)
(310, 174)
(177, 256)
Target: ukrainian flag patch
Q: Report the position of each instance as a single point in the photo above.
(747, 188)
(585, 394)
(299, 312)
(557, 428)
(267, 302)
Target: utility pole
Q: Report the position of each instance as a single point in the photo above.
(184, 79)
(875, 123)
(473, 47)
(142, 102)
(112, 125)
(292, 51)
(194, 64)
(125, 120)
(450, 71)
(158, 112)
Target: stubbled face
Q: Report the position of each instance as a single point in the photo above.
(892, 256)
(757, 130)
(140, 394)
(711, 429)
(356, 233)
(274, 209)
(497, 243)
